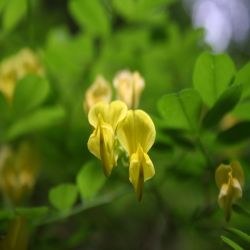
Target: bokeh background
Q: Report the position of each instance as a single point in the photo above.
(76, 40)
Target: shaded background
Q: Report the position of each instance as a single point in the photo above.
(78, 39)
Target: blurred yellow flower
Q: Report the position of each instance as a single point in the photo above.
(104, 118)
(128, 87)
(100, 90)
(16, 67)
(230, 180)
(136, 133)
(18, 171)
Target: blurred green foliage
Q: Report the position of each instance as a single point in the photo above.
(199, 103)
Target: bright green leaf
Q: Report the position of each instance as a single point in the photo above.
(13, 13)
(239, 233)
(242, 111)
(212, 75)
(227, 101)
(181, 110)
(66, 56)
(37, 121)
(63, 196)
(90, 15)
(90, 179)
(231, 243)
(30, 92)
(243, 77)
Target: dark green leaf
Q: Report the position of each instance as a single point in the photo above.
(227, 101)
(32, 213)
(212, 75)
(231, 243)
(240, 210)
(181, 110)
(4, 108)
(30, 92)
(90, 179)
(63, 196)
(6, 215)
(235, 134)
(41, 119)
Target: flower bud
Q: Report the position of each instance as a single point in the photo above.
(128, 87)
(99, 91)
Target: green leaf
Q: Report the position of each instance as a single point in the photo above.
(243, 77)
(37, 121)
(90, 179)
(140, 9)
(4, 108)
(227, 101)
(242, 111)
(32, 213)
(212, 75)
(30, 92)
(235, 134)
(66, 56)
(63, 196)
(2, 4)
(90, 15)
(231, 243)
(241, 210)
(181, 110)
(239, 233)
(6, 215)
(13, 13)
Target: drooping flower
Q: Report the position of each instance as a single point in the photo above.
(128, 87)
(16, 67)
(100, 90)
(136, 133)
(230, 180)
(104, 118)
(18, 171)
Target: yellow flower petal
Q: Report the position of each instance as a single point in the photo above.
(112, 113)
(136, 129)
(229, 193)
(141, 169)
(237, 172)
(221, 174)
(101, 144)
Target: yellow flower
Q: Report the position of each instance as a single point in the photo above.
(136, 134)
(128, 87)
(100, 90)
(104, 118)
(18, 171)
(229, 179)
(16, 67)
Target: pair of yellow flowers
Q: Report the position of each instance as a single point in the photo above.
(135, 131)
